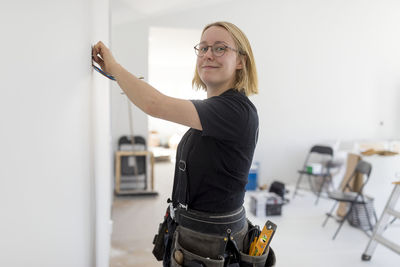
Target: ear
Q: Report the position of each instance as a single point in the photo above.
(241, 62)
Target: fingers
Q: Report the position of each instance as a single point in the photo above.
(94, 56)
(99, 61)
(98, 54)
(98, 49)
(102, 55)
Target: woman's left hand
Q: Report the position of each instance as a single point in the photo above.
(103, 56)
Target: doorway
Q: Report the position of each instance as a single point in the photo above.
(171, 68)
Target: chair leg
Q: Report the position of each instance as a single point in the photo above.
(376, 217)
(329, 176)
(342, 221)
(320, 190)
(297, 185)
(328, 215)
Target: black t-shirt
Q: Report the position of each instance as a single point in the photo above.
(219, 157)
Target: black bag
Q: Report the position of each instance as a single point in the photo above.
(158, 241)
(279, 189)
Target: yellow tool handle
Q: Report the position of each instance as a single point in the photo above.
(264, 239)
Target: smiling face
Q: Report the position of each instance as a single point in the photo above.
(218, 73)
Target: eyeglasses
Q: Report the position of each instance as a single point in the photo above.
(217, 50)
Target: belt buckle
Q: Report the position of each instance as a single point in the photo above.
(185, 207)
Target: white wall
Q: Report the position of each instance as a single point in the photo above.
(55, 144)
(328, 70)
(101, 139)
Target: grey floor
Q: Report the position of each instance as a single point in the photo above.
(299, 241)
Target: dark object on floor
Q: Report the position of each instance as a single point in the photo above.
(279, 189)
(273, 207)
(266, 204)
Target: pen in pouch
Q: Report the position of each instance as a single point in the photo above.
(253, 243)
(250, 237)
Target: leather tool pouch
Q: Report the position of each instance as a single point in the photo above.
(191, 248)
(196, 249)
(158, 241)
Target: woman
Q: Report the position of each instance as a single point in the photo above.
(206, 216)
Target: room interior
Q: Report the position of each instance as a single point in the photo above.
(319, 72)
(328, 74)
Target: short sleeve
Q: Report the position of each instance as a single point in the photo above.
(223, 117)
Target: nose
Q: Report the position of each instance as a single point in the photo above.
(209, 53)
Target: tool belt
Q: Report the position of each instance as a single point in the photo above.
(212, 240)
(208, 223)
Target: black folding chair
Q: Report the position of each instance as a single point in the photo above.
(325, 175)
(347, 195)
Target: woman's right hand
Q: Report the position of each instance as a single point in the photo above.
(103, 56)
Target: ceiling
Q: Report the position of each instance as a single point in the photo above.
(130, 10)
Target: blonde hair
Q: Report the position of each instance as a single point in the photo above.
(246, 79)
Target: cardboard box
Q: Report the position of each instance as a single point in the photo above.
(266, 204)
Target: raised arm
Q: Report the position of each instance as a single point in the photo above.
(144, 96)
